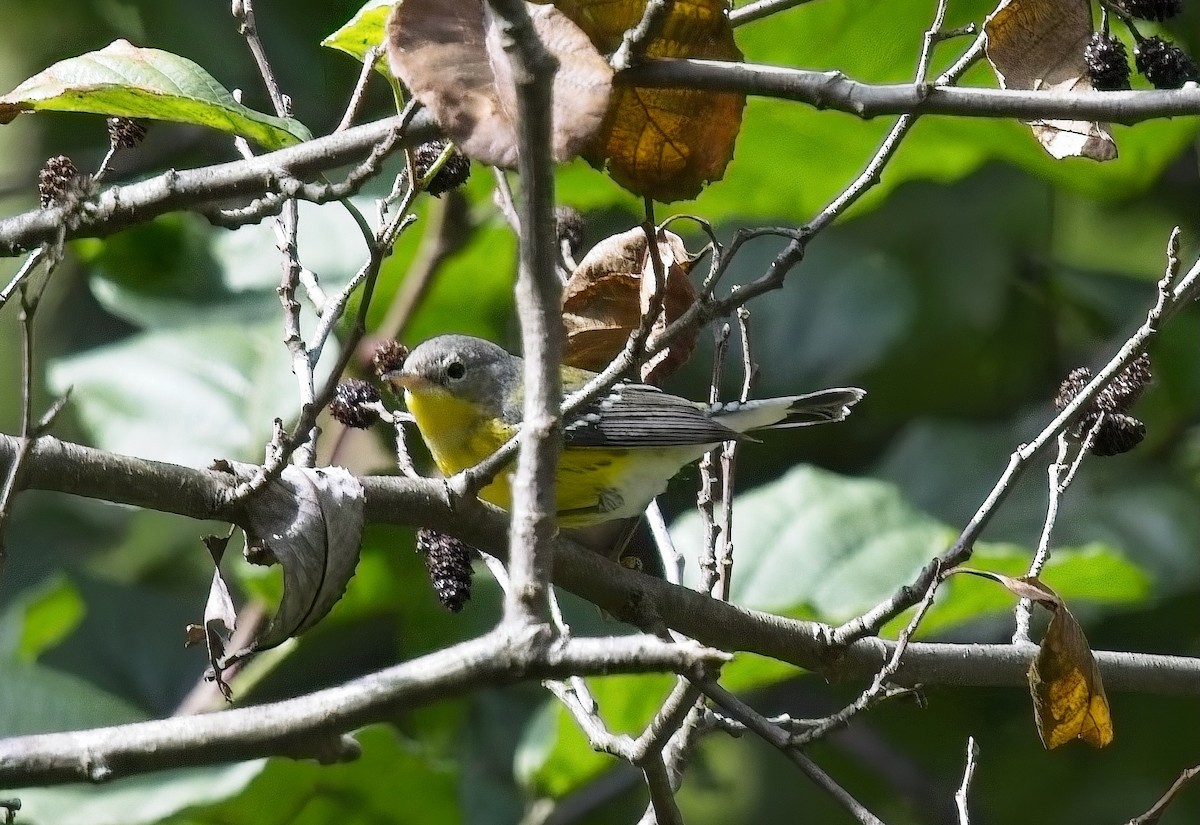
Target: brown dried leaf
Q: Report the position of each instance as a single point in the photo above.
(1068, 693)
(450, 57)
(614, 285)
(664, 143)
(1026, 587)
(1038, 45)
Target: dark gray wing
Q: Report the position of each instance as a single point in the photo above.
(637, 415)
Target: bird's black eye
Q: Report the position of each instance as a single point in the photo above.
(455, 370)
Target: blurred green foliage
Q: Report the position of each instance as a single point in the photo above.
(958, 292)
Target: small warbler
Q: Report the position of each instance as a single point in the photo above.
(619, 451)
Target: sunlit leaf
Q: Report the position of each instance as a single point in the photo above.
(126, 81)
(665, 143)
(1068, 693)
(363, 32)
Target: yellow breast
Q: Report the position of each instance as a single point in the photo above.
(593, 485)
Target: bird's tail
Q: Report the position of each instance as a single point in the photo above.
(787, 411)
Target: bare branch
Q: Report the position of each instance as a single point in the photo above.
(634, 597)
(762, 9)
(539, 297)
(777, 736)
(1153, 815)
(311, 725)
(1174, 293)
(960, 796)
(833, 90)
(120, 207)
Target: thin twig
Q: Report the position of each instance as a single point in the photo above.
(705, 500)
(25, 271)
(1174, 292)
(879, 685)
(728, 457)
(1057, 485)
(960, 796)
(380, 243)
(1152, 816)
(243, 12)
(778, 737)
(360, 87)
(672, 559)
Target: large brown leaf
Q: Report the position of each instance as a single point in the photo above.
(1038, 45)
(613, 288)
(664, 143)
(1068, 693)
(450, 56)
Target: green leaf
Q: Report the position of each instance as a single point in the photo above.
(49, 616)
(554, 756)
(38, 699)
(187, 395)
(138, 800)
(393, 781)
(814, 544)
(123, 80)
(363, 32)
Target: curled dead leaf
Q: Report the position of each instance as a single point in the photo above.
(614, 287)
(450, 56)
(310, 521)
(1038, 45)
(1064, 679)
(1068, 693)
(220, 616)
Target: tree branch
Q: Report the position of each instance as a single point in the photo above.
(833, 90)
(539, 301)
(120, 207)
(638, 599)
(308, 725)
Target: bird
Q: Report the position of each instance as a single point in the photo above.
(619, 450)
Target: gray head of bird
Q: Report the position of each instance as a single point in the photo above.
(470, 369)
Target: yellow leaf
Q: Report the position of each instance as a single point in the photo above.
(1068, 694)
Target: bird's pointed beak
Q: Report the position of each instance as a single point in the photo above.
(400, 379)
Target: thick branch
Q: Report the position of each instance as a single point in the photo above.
(120, 207)
(639, 599)
(833, 90)
(539, 298)
(310, 725)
